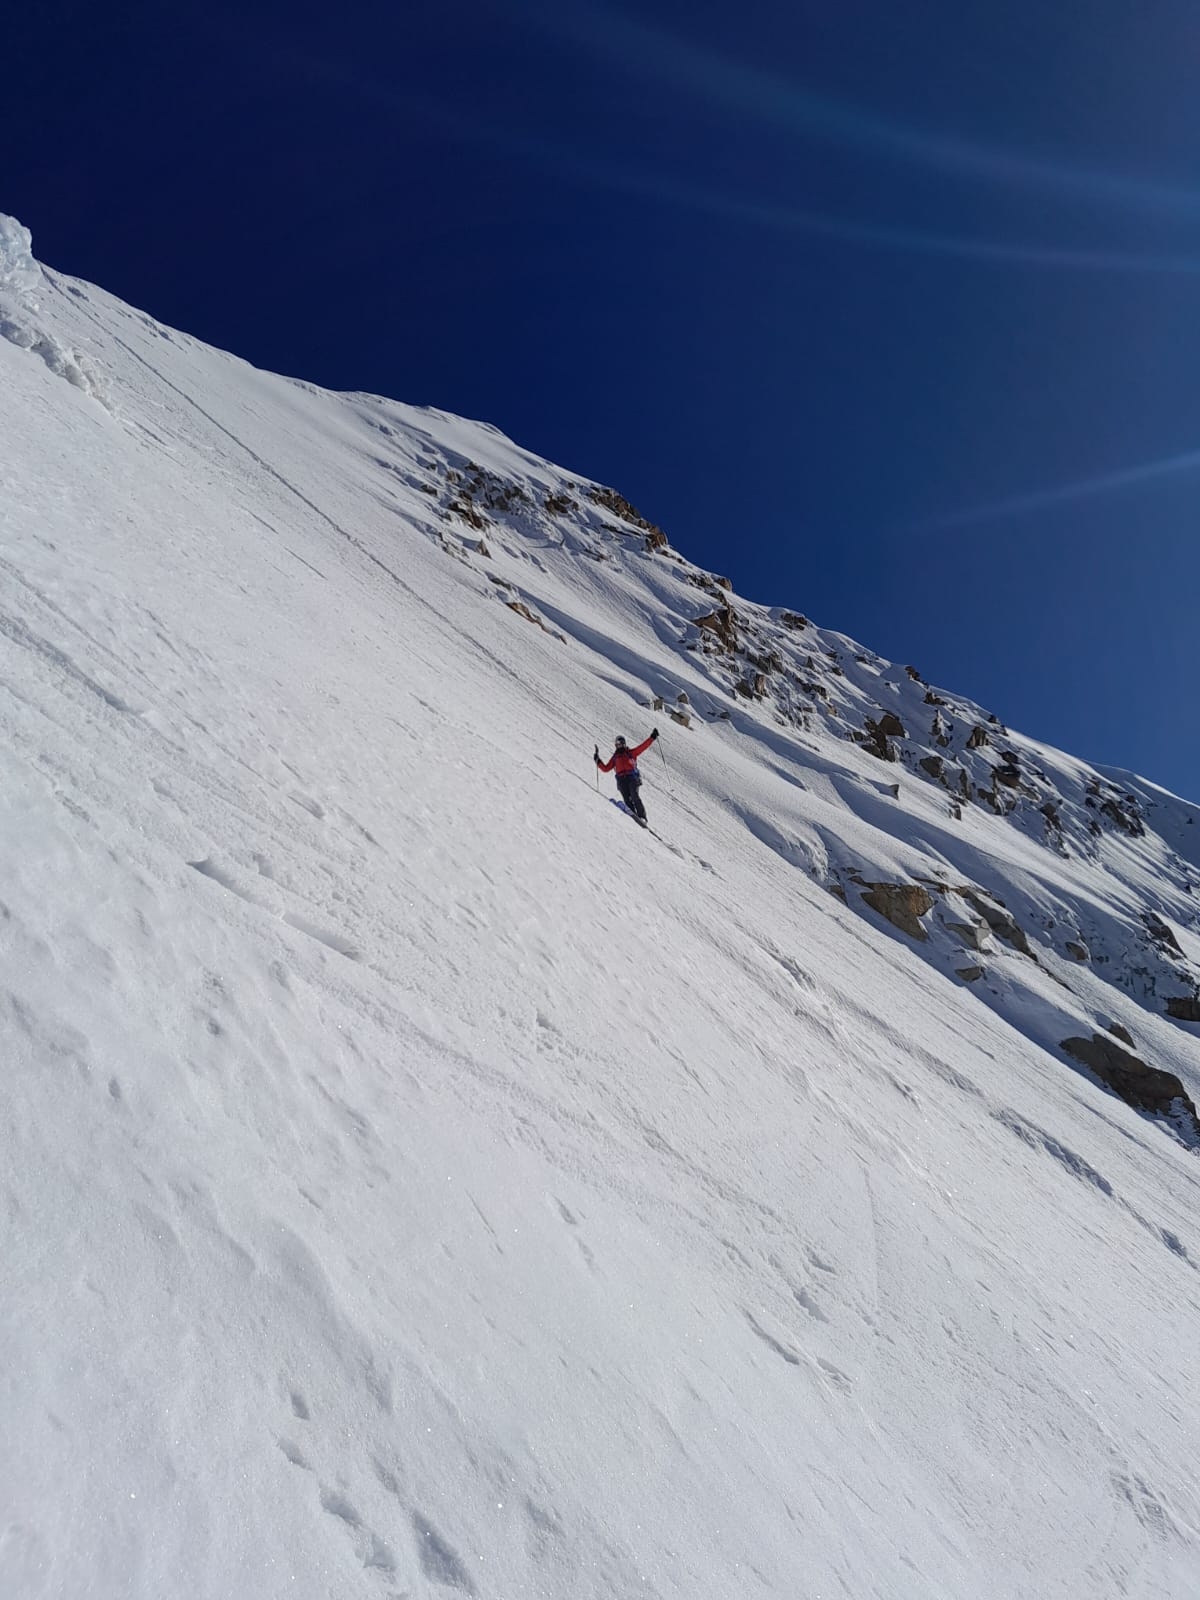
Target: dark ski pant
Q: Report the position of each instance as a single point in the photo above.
(629, 784)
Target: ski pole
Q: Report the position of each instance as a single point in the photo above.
(670, 790)
(596, 763)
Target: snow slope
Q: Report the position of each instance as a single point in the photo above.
(420, 1181)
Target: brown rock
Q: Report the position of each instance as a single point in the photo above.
(722, 624)
(902, 904)
(933, 765)
(969, 974)
(1184, 1008)
(1143, 1087)
(1162, 935)
(523, 610)
(1002, 923)
(879, 734)
(978, 737)
(971, 934)
(1119, 1031)
(619, 506)
(1078, 952)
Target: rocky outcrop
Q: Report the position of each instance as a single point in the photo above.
(971, 934)
(978, 737)
(1000, 920)
(1162, 935)
(879, 734)
(523, 610)
(721, 625)
(1184, 1008)
(1144, 1087)
(620, 507)
(902, 904)
(969, 974)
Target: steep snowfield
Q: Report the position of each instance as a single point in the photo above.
(419, 1180)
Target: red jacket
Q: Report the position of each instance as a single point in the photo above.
(626, 760)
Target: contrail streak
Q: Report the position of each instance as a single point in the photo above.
(1020, 505)
(748, 90)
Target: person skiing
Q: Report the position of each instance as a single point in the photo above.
(629, 779)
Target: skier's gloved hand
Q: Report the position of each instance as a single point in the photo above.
(596, 755)
(654, 733)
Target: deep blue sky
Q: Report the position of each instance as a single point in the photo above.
(805, 279)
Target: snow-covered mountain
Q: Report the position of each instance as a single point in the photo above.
(419, 1180)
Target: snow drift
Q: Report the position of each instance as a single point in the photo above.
(417, 1179)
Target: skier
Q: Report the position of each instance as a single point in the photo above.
(629, 779)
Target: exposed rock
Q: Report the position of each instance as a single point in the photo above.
(978, 737)
(1162, 935)
(464, 509)
(1119, 1031)
(1184, 1008)
(656, 540)
(721, 624)
(1143, 1087)
(939, 730)
(793, 619)
(658, 702)
(914, 675)
(620, 507)
(1077, 951)
(681, 699)
(879, 733)
(558, 505)
(523, 610)
(934, 766)
(681, 717)
(1002, 923)
(972, 934)
(902, 904)
(969, 974)
(932, 698)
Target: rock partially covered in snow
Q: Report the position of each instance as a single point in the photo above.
(19, 272)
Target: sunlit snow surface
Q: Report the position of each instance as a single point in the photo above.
(417, 1180)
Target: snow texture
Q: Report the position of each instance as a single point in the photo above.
(418, 1180)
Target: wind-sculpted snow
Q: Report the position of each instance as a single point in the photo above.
(420, 1181)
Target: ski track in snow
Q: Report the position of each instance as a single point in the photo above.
(420, 1182)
